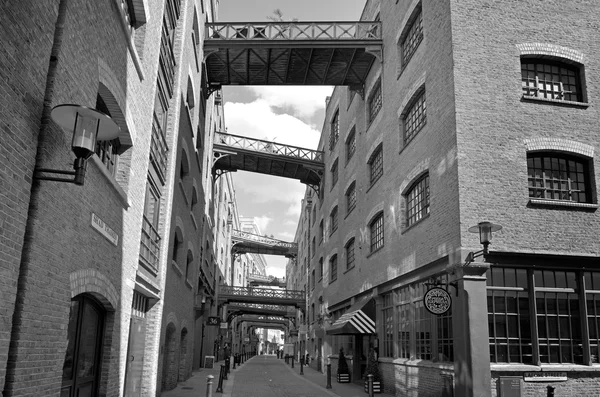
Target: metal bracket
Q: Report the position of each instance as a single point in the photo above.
(358, 89)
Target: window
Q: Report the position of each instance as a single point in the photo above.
(334, 220)
(351, 198)
(350, 145)
(557, 176)
(333, 269)
(388, 325)
(375, 101)
(558, 313)
(334, 173)
(312, 283)
(376, 228)
(320, 269)
(107, 151)
(417, 201)
(403, 304)
(542, 78)
(415, 118)
(413, 37)
(376, 165)
(314, 246)
(314, 215)
(350, 254)
(321, 232)
(335, 130)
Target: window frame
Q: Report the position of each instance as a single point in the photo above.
(376, 233)
(414, 117)
(412, 35)
(333, 218)
(376, 165)
(334, 173)
(334, 133)
(585, 173)
(350, 253)
(375, 102)
(351, 145)
(562, 65)
(424, 205)
(350, 198)
(333, 268)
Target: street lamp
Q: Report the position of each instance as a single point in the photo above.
(87, 126)
(485, 230)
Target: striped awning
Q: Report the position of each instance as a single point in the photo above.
(359, 319)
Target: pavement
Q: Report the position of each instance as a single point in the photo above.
(266, 376)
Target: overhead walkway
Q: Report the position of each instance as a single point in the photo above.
(245, 243)
(269, 296)
(256, 280)
(291, 53)
(261, 309)
(234, 152)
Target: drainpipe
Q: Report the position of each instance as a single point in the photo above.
(34, 203)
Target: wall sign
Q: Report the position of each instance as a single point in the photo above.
(209, 361)
(213, 321)
(510, 386)
(104, 230)
(437, 301)
(544, 376)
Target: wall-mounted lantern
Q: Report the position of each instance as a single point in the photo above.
(87, 126)
(485, 230)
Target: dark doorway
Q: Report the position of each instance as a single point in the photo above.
(82, 360)
(361, 352)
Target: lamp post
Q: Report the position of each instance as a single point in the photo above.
(87, 126)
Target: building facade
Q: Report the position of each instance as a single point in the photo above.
(429, 149)
(90, 273)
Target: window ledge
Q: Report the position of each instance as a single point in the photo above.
(544, 367)
(188, 284)
(555, 101)
(183, 192)
(348, 213)
(373, 184)
(418, 363)
(415, 224)
(350, 268)
(557, 203)
(194, 220)
(176, 267)
(376, 251)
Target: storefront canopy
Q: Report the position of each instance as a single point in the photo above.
(359, 319)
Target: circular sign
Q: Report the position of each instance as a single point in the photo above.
(437, 301)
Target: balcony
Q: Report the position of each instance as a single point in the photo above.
(150, 246)
(158, 150)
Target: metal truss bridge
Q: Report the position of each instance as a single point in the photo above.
(244, 243)
(269, 296)
(261, 309)
(291, 53)
(234, 152)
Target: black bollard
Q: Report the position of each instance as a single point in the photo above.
(550, 391)
(301, 365)
(370, 384)
(221, 375)
(234, 360)
(328, 377)
(293, 359)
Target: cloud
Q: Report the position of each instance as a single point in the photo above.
(294, 209)
(262, 222)
(303, 101)
(286, 236)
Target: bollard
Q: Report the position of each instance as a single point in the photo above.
(550, 391)
(209, 381)
(329, 377)
(234, 360)
(301, 365)
(293, 359)
(370, 384)
(221, 375)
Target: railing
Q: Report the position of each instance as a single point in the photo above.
(261, 292)
(260, 306)
(238, 234)
(158, 149)
(366, 31)
(268, 147)
(150, 245)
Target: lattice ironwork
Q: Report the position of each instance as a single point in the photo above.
(258, 145)
(242, 31)
(270, 293)
(238, 235)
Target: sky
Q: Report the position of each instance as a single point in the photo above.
(288, 115)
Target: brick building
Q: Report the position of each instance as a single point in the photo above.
(477, 111)
(89, 273)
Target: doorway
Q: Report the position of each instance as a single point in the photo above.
(85, 332)
(361, 352)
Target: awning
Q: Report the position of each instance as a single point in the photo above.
(359, 319)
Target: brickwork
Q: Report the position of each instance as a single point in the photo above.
(580, 383)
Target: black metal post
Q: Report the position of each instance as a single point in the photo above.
(221, 375)
(301, 365)
(233, 362)
(293, 359)
(550, 391)
(329, 377)
(370, 384)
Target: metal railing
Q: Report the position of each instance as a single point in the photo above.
(150, 245)
(245, 236)
(259, 145)
(158, 149)
(300, 31)
(261, 292)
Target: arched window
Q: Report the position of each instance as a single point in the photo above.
(351, 198)
(417, 200)
(376, 231)
(559, 176)
(376, 165)
(333, 268)
(350, 254)
(333, 220)
(551, 79)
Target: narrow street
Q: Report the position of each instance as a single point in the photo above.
(266, 376)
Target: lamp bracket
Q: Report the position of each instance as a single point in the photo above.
(79, 166)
